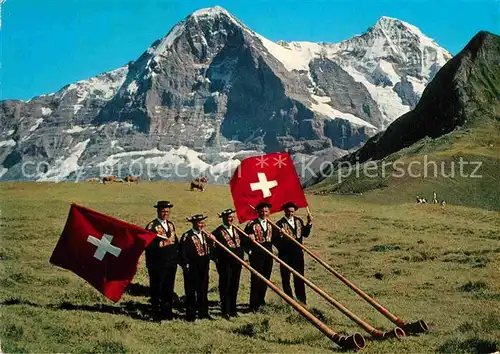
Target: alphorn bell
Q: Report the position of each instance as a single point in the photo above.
(355, 341)
(413, 328)
(397, 332)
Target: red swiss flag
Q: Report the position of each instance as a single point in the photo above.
(271, 178)
(102, 250)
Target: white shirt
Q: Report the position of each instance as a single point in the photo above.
(229, 230)
(199, 235)
(163, 223)
(291, 222)
(263, 223)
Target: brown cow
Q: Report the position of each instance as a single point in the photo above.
(197, 185)
(131, 179)
(108, 179)
(94, 179)
(201, 179)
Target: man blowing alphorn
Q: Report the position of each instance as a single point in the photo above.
(228, 267)
(289, 252)
(261, 231)
(194, 251)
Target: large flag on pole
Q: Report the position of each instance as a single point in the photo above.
(271, 178)
(101, 249)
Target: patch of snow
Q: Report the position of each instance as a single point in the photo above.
(209, 132)
(46, 111)
(332, 113)
(75, 129)
(132, 87)
(103, 86)
(224, 168)
(10, 142)
(77, 107)
(297, 58)
(10, 132)
(37, 123)
(322, 99)
(231, 155)
(3, 171)
(389, 70)
(418, 85)
(167, 41)
(113, 143)
(388, 101)
(65, 166)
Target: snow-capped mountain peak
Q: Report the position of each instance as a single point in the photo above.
(213, 79)
(210, 12)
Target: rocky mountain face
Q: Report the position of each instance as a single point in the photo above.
(211, 92)
(463, 94)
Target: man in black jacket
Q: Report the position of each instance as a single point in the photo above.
(291, 253)
(194, 251)
(161, 260)
(228, 267)
(261, 231)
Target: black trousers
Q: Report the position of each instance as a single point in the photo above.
(296, 261)
(229, 283)
(262, 263)
(161, 288)
(196, 288)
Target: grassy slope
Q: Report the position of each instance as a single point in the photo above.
(439, 265)
(477, 143)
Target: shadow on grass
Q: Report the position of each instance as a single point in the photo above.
(137, 290)
(132, 309)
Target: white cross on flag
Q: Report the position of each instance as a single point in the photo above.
(102, 250)
(271, 178)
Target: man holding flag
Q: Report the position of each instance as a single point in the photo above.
(261, 232)
(266, 182)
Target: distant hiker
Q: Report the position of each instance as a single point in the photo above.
(434, 198)
(291, 253)
(161, 260)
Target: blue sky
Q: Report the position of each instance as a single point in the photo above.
(46, 44)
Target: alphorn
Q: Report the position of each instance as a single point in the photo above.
(416, 327)
(397, 332)
(355, 341)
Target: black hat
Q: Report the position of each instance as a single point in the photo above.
(226, 212)
(197, 217)
(262, 205)
(288, 205)
(163, 204)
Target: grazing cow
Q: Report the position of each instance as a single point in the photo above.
(443, 204)
(95, 179)
(197, 185)
(106, 179)
(131, 179)
(201, 179)
(421, 200)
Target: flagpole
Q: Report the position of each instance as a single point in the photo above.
(355, 341)
(397, 332)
